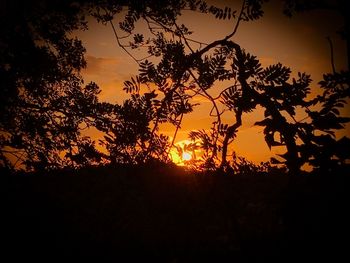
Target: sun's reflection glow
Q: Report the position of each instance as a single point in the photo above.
(186, 156)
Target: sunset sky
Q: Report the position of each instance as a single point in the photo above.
(298, 42)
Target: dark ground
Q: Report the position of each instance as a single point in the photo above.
(164, 214)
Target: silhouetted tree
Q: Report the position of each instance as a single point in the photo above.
(196, 67)
(44, 104)
(132, 133)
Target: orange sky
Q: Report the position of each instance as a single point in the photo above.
(299, 43)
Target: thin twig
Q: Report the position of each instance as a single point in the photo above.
(332, 53)
(172, 31)
(183, 36)
(121, 45)
(178, 126)
(218, 114)
(237, 23)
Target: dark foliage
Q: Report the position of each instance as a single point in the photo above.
(45, 105)
(136, 207)
(194, 68)
(129, 136)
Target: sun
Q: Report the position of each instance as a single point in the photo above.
(184, 152)
(186, 156)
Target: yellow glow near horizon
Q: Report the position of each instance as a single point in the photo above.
(175, 158)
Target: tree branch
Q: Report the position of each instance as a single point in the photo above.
(332, 53)
(238, 21)
(121, 45)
